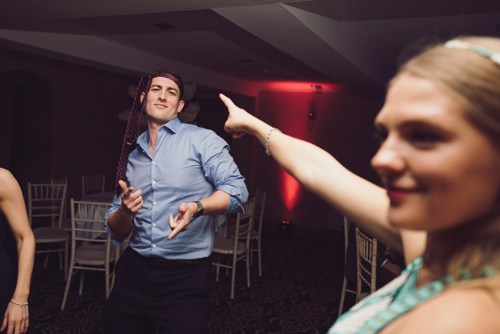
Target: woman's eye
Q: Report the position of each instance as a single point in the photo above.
(423, 137)
(380, 136)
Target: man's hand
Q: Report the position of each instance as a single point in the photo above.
(131, 200)
(183, 218)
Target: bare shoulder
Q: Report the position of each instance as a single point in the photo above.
(458, 311)
(6, 178)
(5, 174)
(8, 184)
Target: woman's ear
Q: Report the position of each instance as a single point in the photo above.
(142, 96)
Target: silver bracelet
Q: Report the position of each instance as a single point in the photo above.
(268, 136)
(21, 305)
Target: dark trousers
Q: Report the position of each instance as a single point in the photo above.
(153, 294)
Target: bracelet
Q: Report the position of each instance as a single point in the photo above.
(268, 136)
(21, 305)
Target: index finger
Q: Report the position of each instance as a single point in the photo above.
(125, 189)
(227, 101)
(177, 228)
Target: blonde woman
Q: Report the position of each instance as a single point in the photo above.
(439, 165)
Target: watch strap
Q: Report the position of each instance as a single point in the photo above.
(199, 209)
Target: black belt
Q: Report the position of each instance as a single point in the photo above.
(161, 262)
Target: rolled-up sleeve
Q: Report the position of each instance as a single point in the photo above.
(219, 167)
(115, 204)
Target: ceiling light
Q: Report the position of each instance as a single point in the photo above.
(163, 26)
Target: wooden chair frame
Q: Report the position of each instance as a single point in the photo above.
(234, 247)
(91, 246)
(45, 211)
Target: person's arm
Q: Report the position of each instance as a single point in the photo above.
(120, 221)
(220, 170)
(216, 203)
(361, 201)
(13, 207)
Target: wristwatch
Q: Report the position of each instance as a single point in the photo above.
(199, 209)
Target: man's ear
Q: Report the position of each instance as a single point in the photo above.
(180, 106)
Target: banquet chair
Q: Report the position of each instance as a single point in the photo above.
(91, 246)
(92, 184)
(65, 220)
(233, 248)
(366, 263)
(45, 211)
(256, 234)
(347, 226)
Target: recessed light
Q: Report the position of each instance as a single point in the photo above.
(164, 26)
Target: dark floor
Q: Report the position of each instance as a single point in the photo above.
(298, 293)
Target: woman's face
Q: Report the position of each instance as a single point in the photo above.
(439, 170)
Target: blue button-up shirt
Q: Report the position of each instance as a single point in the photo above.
(189, 163)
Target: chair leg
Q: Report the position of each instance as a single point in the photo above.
(259, 256)
(82, 278)
(248, 269)
(66, 250)
(106, 280)
(342, 296)
(66, 290)
(112, 279)
(233, 276)
(46, 261)
(217, 268)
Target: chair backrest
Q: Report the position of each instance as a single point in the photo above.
(244, 222)
(366, 261)
(93, 184)
(87, 224)
(62, 180)
(260, 203)
(46, 203)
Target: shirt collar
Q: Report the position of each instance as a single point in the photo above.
(173, 126)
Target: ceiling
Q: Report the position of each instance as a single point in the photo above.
(243, 45)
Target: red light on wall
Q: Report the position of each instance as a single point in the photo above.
(290, 190)
(300, 87)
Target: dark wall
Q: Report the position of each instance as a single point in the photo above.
(343, 126)
(59, 119)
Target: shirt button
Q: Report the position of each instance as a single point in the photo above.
(154, 245)
(154, 224)
(155, 203)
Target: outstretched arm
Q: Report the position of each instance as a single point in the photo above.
(361, 201)
(12, 206)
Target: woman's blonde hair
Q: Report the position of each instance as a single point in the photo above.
(474, 79)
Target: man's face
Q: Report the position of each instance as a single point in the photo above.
(163, 101)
